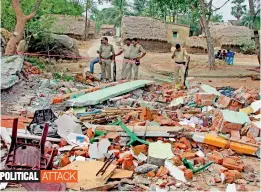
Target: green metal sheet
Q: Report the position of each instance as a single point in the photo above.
(99, 96)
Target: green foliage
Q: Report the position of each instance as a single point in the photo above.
(63, 77)
(35, 61)
(247, 47)
(47, 7)
(238, 10)
(252, 22)
(217, 18)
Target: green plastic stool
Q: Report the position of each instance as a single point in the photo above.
(133, 137)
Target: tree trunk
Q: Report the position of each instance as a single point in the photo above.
(16, 37)
(86, 22)
(256, 35)
(21, 20)
(211, 56)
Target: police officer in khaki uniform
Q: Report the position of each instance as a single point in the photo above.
(136, 53)
(106, 55)
(180, 57)
(125, 49)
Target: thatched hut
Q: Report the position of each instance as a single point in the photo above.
(152, 33)
(224, 35)
(107, 30)
(196, 44)
(230, 36)
(73, 26)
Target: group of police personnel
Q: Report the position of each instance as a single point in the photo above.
(133, 52)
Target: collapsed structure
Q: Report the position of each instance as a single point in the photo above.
(139, 135)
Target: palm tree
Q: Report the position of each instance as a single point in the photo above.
(239, 9)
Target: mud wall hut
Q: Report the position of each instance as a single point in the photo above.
(73, 26)
(231, 36)
(151, 33)
(107, 30)
(177, 33)
(196, 44)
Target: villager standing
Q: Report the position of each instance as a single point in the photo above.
(181, 58)
(106, 55)
(125, 49)
(136, 53)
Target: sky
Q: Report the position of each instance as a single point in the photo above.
(225, 10)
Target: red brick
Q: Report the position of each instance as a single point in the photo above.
(188, 174)
(199, 160)
(140, 149)
(151, 174)
(64, 161)
(185, 141)
(216, 157)
(162, 171)
(187, 155)
(224, 101)
(177, 161)
(180, 146)
(230, 163)
(206, 102)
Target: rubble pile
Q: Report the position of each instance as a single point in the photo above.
(152, 137)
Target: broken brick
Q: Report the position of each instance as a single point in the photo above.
(127, 164)
(224, 101)
(231, 163)
(177, 161)
(232, 175)
(187, 155)
(151, 174)
(215, 157)
(140, 149)
(64, 161)
(199, 160)
(162, 171)
(186, 142)
(188, 174)
(180, 146)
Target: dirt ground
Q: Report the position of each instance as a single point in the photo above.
(160, 65)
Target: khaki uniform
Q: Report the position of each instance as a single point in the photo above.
(179, 69)
(126, 54)
(106, 51)
(135, 51)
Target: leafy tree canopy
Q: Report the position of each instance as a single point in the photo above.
(66, 7)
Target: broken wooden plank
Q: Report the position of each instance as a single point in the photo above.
(141, 129)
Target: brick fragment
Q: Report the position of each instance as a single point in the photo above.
(140, 149)
(151, 174)
(233, 164)
(215, 157)
(199, 160)
(187, 155)
(162, 171)
(188, 174)
(177, 161)
(224, 101)
(64, 161)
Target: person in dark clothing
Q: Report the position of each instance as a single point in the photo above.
(224, 54)
(218, 55)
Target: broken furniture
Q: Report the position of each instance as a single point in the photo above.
(41, 117)
(28, 156)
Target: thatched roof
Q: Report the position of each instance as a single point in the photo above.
(105, 26)
(230, 34)
(74, 25)
(143, 28)
(196, 42)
